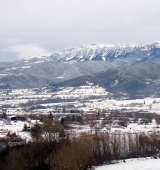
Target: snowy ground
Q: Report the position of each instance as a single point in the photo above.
(16, 96)
(134, 164)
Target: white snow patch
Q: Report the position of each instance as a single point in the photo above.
(134, 164)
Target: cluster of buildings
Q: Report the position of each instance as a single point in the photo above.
(91, 100)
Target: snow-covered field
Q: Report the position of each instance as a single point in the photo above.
(16, 96)
(134, 164)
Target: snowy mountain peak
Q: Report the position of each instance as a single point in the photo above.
(93, 52)
(151, 45)
(122, 54)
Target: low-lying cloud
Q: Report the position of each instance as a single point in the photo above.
(27, 50)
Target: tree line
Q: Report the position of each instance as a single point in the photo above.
(54, 149)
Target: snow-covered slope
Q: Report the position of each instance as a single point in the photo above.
(94, 52)
(121, 54)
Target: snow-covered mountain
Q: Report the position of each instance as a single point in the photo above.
(135, 65)
(93, 52)
(121, 54)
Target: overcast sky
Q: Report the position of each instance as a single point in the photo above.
(33, 27)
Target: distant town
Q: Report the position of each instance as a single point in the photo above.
(84, 108)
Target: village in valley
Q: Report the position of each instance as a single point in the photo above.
(79, 109)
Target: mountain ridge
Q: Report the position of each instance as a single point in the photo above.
(141, 79)
(109, 53)
(135, 65)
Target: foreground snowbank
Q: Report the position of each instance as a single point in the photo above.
(134, 164)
